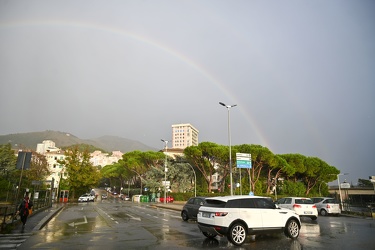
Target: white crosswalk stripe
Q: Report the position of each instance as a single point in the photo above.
(12, 241)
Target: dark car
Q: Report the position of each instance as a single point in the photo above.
(190, 209)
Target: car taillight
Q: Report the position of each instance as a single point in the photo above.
(314, 206)
(296, 206)
(218, 214)
(328, 206)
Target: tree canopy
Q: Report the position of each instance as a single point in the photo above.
(82, 175)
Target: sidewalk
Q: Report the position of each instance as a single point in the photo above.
(38, 219)
(176, 205)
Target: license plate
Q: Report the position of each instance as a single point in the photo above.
(307, 212)
(206, 215)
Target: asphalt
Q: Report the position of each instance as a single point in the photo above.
(39, 219)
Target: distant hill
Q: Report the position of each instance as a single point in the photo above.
(64, 139)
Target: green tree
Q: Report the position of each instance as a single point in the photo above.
(293, 188)
(8, 173)
(261, 157)
(139, 163)
(208, 158)
(276, 169)
(7, 157)
(364, 183)
(311, 170)
(39, 169)
(82, 175)
(116, 171)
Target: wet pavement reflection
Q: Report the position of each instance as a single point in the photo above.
(135, 226)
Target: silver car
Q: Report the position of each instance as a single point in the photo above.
(327, 205)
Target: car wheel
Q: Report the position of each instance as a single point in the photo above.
(323, 212)
(237, 234)
(209, 235)
(184, 216)
(292, 229)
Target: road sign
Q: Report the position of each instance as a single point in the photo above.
(243, 160)
(23, 160)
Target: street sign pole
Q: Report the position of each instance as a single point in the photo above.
(243, 160)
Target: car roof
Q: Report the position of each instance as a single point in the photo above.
(298, 197)
(233, 197)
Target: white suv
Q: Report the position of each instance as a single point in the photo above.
(237, 216)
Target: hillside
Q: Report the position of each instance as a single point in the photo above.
(64, 139)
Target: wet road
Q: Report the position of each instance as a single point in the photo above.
(113, 224)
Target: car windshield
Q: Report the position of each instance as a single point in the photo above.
(304, 201)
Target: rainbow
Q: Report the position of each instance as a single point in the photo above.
(147, 41)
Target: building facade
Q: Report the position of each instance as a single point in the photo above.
(184, 135)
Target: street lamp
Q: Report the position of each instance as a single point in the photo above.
(230, 148)
(338, 180)
(165, 171)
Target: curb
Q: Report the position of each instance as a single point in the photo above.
(47, 218)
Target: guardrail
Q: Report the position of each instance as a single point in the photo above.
(7, 215)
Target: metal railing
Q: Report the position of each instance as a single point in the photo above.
(8, 212)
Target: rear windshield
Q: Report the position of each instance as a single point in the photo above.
(215, 203)
(332, 201)
(304, 201)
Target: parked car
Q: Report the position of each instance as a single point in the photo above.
(237, 216)
(104, 196)
(190, 209)
(86, 198)
(327, 205)
(304, 207)
(169, 199)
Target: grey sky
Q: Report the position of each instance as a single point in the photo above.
(301, 72)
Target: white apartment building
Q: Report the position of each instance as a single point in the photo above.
(57, 169)
(184, 135)
(97, 158)
(53, 155)
(46, 146)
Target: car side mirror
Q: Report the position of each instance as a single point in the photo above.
(276, 206)
(201, 204)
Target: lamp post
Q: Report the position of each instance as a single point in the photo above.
(165, 171)
(230, 148)
(338, 180)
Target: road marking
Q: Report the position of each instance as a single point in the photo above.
(134, 218)
(78, 223)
